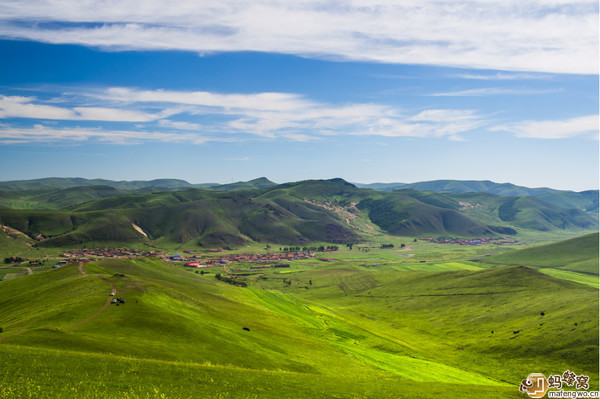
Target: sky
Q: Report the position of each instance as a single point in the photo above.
(366, 90)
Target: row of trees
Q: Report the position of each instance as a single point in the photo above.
(230, 280)
(322, 248)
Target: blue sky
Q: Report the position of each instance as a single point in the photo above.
(370, 91)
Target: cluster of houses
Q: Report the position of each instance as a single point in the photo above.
(102, 253)
(192, 261)
(473, 241)
(190, 257)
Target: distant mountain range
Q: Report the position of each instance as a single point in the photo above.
(67, 212)
(158, 184)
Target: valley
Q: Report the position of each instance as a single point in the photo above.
(295, 296)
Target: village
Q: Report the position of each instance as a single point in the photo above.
(199, 261)
(87, 254)
(191, 258)
(473, 241)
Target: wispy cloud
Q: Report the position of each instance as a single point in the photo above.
(30, 107)
(558, 36)
(206, 116)
(504, 76)
(554, 129)
(494, 91)
(179, 125)
(237, 159)
(297, 118)
(45, 134)
(284, 116)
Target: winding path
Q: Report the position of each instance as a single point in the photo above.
(89, 318)
(106, 304)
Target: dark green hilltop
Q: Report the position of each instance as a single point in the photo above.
(168, 210)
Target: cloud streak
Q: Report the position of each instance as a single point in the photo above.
(267, 115)
(197, 117)
(494, 91)
(29, 107)
(557, 36)
(45, 134)
(554, 129)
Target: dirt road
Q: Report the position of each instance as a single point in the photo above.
(106, 304)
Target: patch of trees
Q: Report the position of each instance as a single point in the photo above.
(322, 248)
(383, 213)
(507, 211)
(230, 280)
(13, 259)
(293, 249)
(386, 246)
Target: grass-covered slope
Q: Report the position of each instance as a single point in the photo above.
(293, 213)
(531, 213)
(576, 254)
(56, 198)
(62, 183)
(353, 332)
(209, 218)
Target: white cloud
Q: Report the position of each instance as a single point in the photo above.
(444, 115)
(41, 133)
(29, 107)
(179, 125)
(504, 76)
(22, 107)
(237, 159)
(557, 36)
(494, 91)
(554, 129)
(266, 115)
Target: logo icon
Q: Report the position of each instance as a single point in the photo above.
(535, 385)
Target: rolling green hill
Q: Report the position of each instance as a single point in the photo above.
(261, 182)
(586, 200)
(464, 186)
(351, 332)
(61, 183)
(577, 254)
(332, 211)
(51, 198)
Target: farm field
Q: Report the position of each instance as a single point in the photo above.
(441, 323)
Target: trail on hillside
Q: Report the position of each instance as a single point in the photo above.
(81, 270)
(99, 311)
(96, 314)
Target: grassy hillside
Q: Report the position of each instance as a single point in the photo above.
(333, 331)
(293, 213)
(577, 254)
(261, 182)
(463, 186)
(62, 183)
(585, 201)
(531, 213)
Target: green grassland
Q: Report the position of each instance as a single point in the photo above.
(448, 329)
(575, 259)
(391, 316)
(577, 254)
